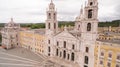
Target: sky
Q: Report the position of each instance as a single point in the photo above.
(34, 11)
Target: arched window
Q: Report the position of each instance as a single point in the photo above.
(48, 49)
(102, 53)
(117, 65)
(86, 59)
(91, 3)
(90, 13)
(54, 25)
(49, 15)
(64, 44)
(118, 57)
(78, 27)
(64, 54)
(110, 55)
(57, 52)
(48, 41)
(72, 56)
(89, 27)
(109, 64)
(60, 54)
(54, 16)
(73, 46)
(87, 50)
(48, 25)
(68, 56)
(57, 43)
(101, 62)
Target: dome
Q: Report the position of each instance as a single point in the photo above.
(12, 24)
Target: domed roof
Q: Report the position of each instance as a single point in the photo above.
(12, 24)
(52, 6)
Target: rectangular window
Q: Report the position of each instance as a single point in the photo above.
(57, 43)
(102, 53)
(64, 44)
(109, 64)
(48, 41)
(118, 57)
(101, 62)
(85, 66)
(48, 49)
(73, 46)
(87, 49)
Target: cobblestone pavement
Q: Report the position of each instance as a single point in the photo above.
(20, 57)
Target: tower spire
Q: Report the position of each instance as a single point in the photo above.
(51, 1)
(81, 10)
(11, 19)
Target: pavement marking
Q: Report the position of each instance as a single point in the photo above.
(17, 60)
(15, 64)
(20, 57)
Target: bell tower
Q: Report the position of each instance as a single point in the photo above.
(51, 28)
(91, 9)
(87, 24)
(51, 22)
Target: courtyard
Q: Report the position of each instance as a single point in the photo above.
(20, 57)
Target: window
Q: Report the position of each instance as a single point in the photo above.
(49, 54)
(91, 3)
(49, 16)
(57, 52)
(78, 27)
(64, 54)
(90, 13)
(89, 27)
(102, 53)
(101, 62)
(54, 25)
(64, 44)
(86, 59)
(68, 56)
(118, 57)
(117, 65)
(72, 56)
(110, 55)
(87, 49)
(85, 66)
(73, 46)
(109, 64)
(48, 41)
(48, 49)
(57, 43)
(54, 16)
(60, 54)
(48, 25)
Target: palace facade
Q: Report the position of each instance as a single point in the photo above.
(82, 46)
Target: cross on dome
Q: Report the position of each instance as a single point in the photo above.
(11, 19)
(51, 1)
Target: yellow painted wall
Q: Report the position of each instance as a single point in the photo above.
(115, 49)
(32, 40)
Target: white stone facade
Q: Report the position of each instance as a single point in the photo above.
(75, 46)
(10, 35)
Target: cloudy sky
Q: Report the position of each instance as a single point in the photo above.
(34, 11)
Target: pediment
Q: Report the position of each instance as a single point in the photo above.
(65, 34)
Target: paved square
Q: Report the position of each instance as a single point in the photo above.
(19, 57)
